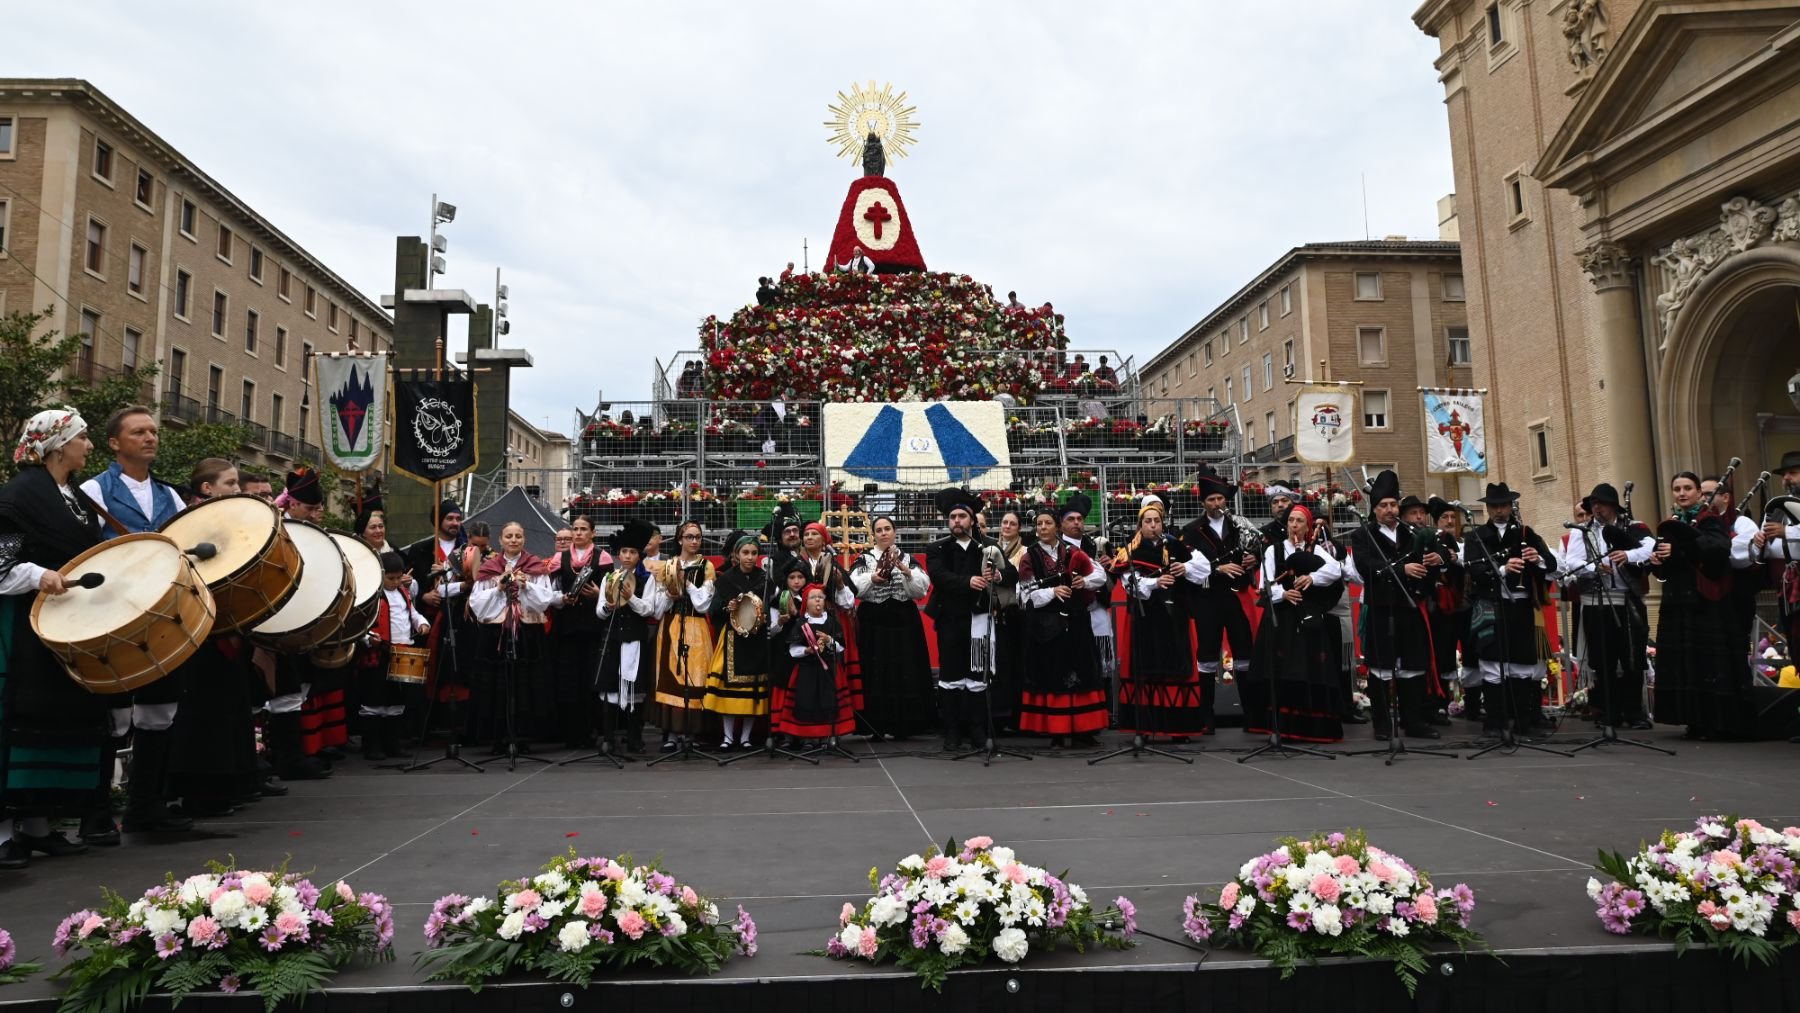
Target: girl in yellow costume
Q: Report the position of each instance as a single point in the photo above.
(684, 639)
(737, 689)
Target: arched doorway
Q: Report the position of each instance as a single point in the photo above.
(1722, 389)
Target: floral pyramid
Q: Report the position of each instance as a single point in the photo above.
(872, 337)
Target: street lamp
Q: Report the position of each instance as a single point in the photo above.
(502, 326)
(441, 214)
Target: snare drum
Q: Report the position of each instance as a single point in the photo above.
(407, 664)
(365, 587)
(318, 608)
(151, 614)
(334, 656)
(256, 567)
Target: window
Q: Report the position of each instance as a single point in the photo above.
(1249, 388)
(1207, 351)
(184, 284)
(352, 331)
(305, 410)
(1268, 370)
(132, 340)
(283, 283)
(102, 161)
(96, 248)
(280, 348)
(134, 269)
(1243, 329)
(251, 320)
(1262, 316)
(1269, 424)
(1371, 346)
(1375, 409)
(177, 372)
(256, 264)
(1228, 390)
(1458, 340)
(1496, 30)
(6, 136)
(221, 306)
(1250, 441)
(1212, 394)
(84, 352)
(1191, 369)
(331, 316)
(188, 213)
(1368, 285)
(1540, 449)
(224, 247)
(1225, 342)
(1515, 197)
(1453, 288)
(215, 385)
(5, 216)
(1287, 299)
(276, 405)
(146, 188)
(1287, 353)
(1164, 385)
(247, 406)
(312, 302)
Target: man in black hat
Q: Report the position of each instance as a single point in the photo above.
(1509, 567)
(1226, 565)
(1390, 560)
(1071, 520)
(1281, 500)
(785, 530)
(963, 576)
(435, 562)
(1778, 543)
(1612, 617)
(621, 685)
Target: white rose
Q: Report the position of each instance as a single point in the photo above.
(954, 940)
(513, 925)
(850, 937)
(1011, 945)
(573, 938)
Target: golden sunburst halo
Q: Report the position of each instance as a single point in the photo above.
(866, 109)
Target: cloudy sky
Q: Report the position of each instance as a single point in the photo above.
(633, 168)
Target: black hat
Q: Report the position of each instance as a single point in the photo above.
(303, 486)
(1385, 486)
(1791, 459)
(1439, 506)
(1210, 483)
(1603, 493)
(448, 507)
(1409, 502)
(1077, 503)
(636, 534)
(783, 518)
(952, 499)
(393, 562)
(1498, 494)
(736, 537)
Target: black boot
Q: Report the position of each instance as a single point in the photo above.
(952, 737)
(1413, 719)
(291, 763)
(372, 750)
(1494, 708)
(1528, 715)
(1379, 714)
(391, 730)
(1474, 699)
(146, 809)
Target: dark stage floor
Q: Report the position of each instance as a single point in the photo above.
(793, 842)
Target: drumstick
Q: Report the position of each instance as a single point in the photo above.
(203, 551)
(87, 580)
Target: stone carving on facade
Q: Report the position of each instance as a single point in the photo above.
(1584, 30)
(1607, 264)
(1744, 224)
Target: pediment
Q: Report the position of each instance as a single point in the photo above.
(1676, 69)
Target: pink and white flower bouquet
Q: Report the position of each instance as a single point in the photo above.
(226, 928)
(1335, 895)
(943, 910)
(1729, 882)
(576, 917)
(12, 971)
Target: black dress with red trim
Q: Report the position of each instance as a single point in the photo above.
(1160, 693)
(816, 702)
(1298, 654)
(1062, 694)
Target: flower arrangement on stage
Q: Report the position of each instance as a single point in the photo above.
(578, 916)
(1335, 895)
(1729, 882)
(877, 338)
(226, 928)
(12, 970)
(943, 910)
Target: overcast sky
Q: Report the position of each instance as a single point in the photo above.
(635, 168)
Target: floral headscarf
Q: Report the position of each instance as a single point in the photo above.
(46, 431)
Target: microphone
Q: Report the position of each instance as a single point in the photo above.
(1629, 485)
(203, 551)
(87, 580)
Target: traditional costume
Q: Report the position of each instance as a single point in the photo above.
(1613, 622)
(1503, 625)
(1296, 687)
(629, 600)
(1063, 695)
(815, 704)
(738, 682)
(840, 600)
(438, 564)
(381, 702)
(1702, 668)
(307, 721)
(1099, 607)
(576, 635)
(1159, 691)
(510, 600)
(1396, 633)
(890, 637)
(1215, 599)
(684, 642)
(962, 617)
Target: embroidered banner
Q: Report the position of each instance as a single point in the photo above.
(434, 428)
(1325, 425)
(353, 392)
(1455, 432)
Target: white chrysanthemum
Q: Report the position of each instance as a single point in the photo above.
(551, 882)
(573, 937)
(1002, 857)
(631, 892)
(135, 913)
(1763, 835)
(1328, 920)
(1079, 895)
(887, 911)
(512, 925)
(1011, 945)
(1712, 829)
(1034, 913)
(552, 909)
(850, 937)
(1302, 901)
(160, 921)
(1245, 905)
(661, 905)
(1686, 846)
(1593, 888)
(709, 914)
(1296, 877)
(1319, 861)
(1008, 914)
(253, 919)
(287, 900)
(954, 940)
(1247, 870)
(477, 905)
(1398, 926)
(912, 863)
(677, 925)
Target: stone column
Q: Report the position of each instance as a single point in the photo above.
(1618, 343)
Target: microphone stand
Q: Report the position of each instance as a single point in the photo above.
(769, 750)
(989, 747)
(453, 739)
(1609, 733)
(509, 694)
(1139, 744)
(607, 748)
(1509, 717)
(1276, 745)
(1396, 745)
(684, 745)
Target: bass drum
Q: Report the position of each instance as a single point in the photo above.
(150, 614)
(255, 567)
(318, 608)
(365, 587)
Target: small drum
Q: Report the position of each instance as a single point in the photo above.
(255, 569)
(407, 664)
(365, 587)
(318, 608)
(333, 656)
(150, 615)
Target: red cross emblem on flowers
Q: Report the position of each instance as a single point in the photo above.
(875, 216)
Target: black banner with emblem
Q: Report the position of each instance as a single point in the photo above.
(434, 428)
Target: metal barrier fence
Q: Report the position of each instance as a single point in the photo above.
(1062, 373)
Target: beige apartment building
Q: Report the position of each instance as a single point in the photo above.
(539, 459)
(1389, 313)
(127, 243)
(1628, 189)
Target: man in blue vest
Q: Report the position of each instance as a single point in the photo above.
(139, 502)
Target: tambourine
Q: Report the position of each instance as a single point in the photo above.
(746, 612)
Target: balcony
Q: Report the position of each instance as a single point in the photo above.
(219, 416)
(180, 407)
(255, 434)
(283, 445)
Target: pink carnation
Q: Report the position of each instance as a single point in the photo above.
(937, 866)
(213, 898)
(1347, 865)
(848, 912)
(202, 930)
(1228, 897)
(92, 924)
(344, 892)
(979, 842)
(1794, 919)
(258, 893)
(867, 943)
(1015, 873)
(689, 897)
(1325, 888)
(1383, 872)
(593, 904)
(527, 900)
(1426, 905)
(290, 923)
(632, 924)
(614, 872)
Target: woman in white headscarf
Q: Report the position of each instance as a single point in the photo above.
(44, 522)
